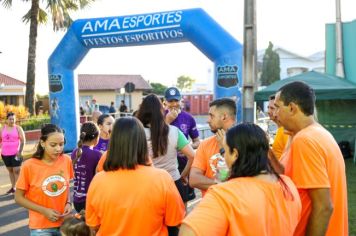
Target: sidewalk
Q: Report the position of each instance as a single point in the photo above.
(28, 150)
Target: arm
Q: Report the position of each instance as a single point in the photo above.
(20, 199)
(197, 179)
(189, 153)
(196, 142)
(322, 209)
(185, 230)
(276, 165)
(22, 140)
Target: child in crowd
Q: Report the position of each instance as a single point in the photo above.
(43, 184)
(85, 160)
(105, 123)
(75, 226)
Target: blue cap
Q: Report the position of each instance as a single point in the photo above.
(172, 93)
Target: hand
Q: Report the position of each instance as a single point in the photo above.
(67, 209)
(171, 115)
(220, 136)
(50, 214)
(185, 180)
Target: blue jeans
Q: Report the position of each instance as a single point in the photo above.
(45, 232)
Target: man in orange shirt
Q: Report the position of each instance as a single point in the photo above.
(314, 162)
(280, 139)
(222, 115)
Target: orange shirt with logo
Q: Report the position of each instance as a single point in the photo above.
(314, 160)
(280, 142)
(204, 156)
(143, 201)
(247, 206)
(46, 185)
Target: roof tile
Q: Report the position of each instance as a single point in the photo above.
(110, 82)
(8, 81)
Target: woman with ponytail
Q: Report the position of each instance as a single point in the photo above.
(85, 159)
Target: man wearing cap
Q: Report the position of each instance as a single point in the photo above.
(183, 121)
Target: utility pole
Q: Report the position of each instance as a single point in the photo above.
(250, 58)
(339, 48)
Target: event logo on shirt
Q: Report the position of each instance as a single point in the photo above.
(54, 185)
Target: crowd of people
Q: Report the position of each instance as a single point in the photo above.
(134, 175)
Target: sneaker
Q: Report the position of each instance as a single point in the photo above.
(11, 191)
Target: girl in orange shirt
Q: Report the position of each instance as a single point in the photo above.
(43, 184)
(255, 200)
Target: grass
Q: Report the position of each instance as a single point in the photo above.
(351, 190)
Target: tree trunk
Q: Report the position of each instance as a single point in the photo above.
(31, 61)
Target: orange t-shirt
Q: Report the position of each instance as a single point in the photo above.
(247, 206)
(203, 157)
(280, 142)
(143, 201)
(100, 165)
(314, 160)
(103, 157)
(46, 185)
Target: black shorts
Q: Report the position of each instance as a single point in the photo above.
(11, 161)
(182, 189)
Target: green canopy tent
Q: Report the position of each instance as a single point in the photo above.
(335, 102)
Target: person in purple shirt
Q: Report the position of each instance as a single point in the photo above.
(105, 123)
(185, 122)
(85, 159)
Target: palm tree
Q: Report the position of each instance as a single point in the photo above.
(59, 10)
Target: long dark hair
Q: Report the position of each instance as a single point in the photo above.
(46, 130)
(151, 114)
(128, 145)
(253, 147)
(88, 132)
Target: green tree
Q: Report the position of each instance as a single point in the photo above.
(158, 88)
(59, 11)
(270, 66)
(184, 82)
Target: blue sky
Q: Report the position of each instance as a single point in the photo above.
(298, 26)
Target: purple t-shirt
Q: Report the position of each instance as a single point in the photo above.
(84, 171)
(185, 123)
(102, 145)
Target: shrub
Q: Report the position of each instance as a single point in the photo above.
(34, 122)
(20, 111)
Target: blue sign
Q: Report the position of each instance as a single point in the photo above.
(191, 25)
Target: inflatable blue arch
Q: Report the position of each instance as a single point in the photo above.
(190, 25)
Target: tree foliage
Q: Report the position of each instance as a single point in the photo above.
(158, 88)
(185, 82)
(59, 12)
(270, 66)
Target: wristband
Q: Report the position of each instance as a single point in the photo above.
(222, 151)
